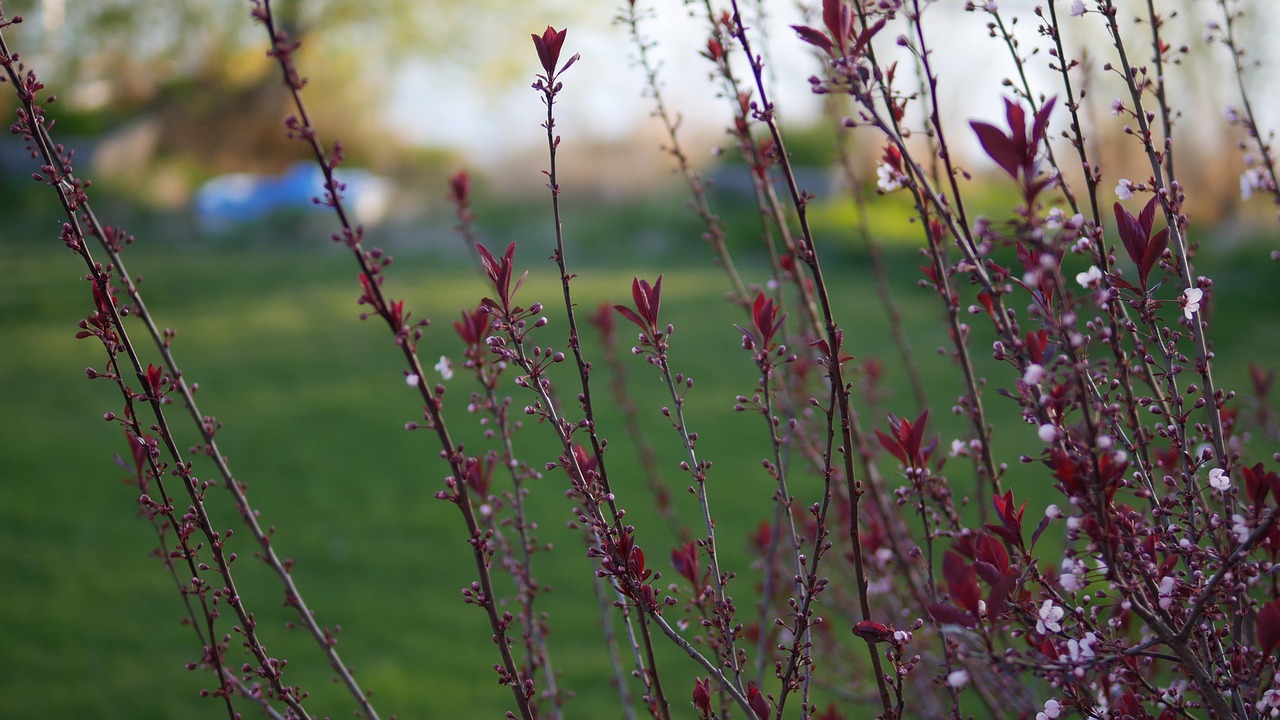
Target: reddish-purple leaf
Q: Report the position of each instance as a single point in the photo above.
(473, 327)
(948, 614)
(138, 448)
(1259, 482)
(702, 695)
(997, 145)
(817, 38)
(1005, 534)
(155, 381)
(629, 314)
(920, 451)
(460, 189)
(500, 272)
(548, 46)
(962, 581)
(1155, 248)
(648, 301)
(872, 631)
(993, 552)
(999, 596)
(1040, 528)
(1010, 515)
(685, 561)
(1041, 125)
(988, 572)
(832, 10)
(759, 703)
(890, 444)
(1016, 117)
(1143, 249)
(1262, 380)
(603, 319)
(1016, 151)
(829, 714)
(764, 313)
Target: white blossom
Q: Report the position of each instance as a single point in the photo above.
(445, 368)
(1081, 649)
(1124, 189)
(1033, 374)
(1240, 527)
(1070, 579)
(411, 380)
(1219, 479)
(1050, 618)
(888, 179)
(958, 678)
(1052, 708)
(1077, 9)
(1089, 278)
(1191, 298)
(1070, 582)
(1117, 106)
(1271, 698)
(1167, 584)
(1047, 432)
(1174, 692)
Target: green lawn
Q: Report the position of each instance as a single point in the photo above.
(314, 404)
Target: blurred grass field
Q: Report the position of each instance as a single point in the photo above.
(315, 405)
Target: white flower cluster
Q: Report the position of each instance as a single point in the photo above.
(1072, 577)
(888, 179)
(1082, 650)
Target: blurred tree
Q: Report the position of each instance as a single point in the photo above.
(185, 68)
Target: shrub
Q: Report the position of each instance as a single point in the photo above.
(890, 582)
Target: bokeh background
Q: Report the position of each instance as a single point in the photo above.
(173, 108)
